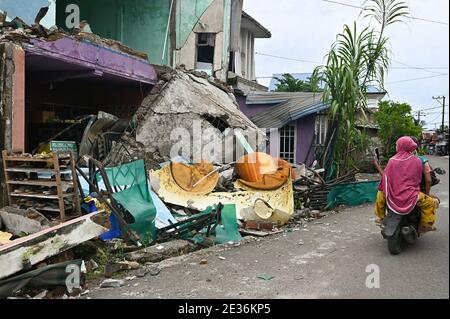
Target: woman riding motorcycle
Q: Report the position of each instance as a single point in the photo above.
(400, 186)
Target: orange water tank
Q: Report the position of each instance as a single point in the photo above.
(252, 167)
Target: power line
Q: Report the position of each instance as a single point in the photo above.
(416, 79)
(405, 66)
(362, 8)
(417, 67)
(430, 108)
(285, 58)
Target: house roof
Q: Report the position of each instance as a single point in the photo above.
(274, 97)
(254, 26)
(298, 106)
(371, 89)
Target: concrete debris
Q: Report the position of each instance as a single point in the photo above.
(203, 262)
(183, 105)
(259, 233)
(112, 283)
(170, 249)
(141, 272)
(84, 292)
(19, 32)
(126, 150)
(112, 268)
(153, 270)
(31, 250)
(20, 221)
(41, 295)
(91, 265)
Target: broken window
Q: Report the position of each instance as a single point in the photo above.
(321, 129)
(287, 143)
(205, 51)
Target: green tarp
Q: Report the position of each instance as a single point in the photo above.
(352, 194)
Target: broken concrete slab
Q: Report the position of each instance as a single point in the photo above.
(193, 115)
(25, 252)
(20, 221)
(112, 283)
(112, 268)
(170, 249)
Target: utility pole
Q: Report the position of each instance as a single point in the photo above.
(439, 98)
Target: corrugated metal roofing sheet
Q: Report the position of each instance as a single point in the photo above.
(291, 110)
(275, 97)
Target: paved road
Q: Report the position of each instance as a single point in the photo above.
(325, 260)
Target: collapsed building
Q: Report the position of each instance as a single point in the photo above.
(50, 79)
(72, 101)
(194, 116)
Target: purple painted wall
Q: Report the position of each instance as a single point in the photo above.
(305, 135)
(97, 58)
(251, 109)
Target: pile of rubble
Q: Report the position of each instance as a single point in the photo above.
(18, 31)
(140, 202)
(186, 103)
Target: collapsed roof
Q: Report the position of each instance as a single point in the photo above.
(190, 102)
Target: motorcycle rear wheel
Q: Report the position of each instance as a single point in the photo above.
(395, 243)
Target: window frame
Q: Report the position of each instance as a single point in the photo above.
(291, 154)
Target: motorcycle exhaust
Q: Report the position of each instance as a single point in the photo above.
(409, 234)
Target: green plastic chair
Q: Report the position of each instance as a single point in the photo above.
(130, 184)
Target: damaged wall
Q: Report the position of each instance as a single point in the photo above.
(214, 19)
(140, 24)
(143, 25)
(186, 112)
(8, 92)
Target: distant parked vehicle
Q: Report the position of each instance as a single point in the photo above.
(442, 149)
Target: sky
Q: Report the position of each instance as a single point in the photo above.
(305, 30)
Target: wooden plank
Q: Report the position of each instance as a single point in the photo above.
(34, 159)
(59, 188)
(41, 182)
(5, 166)
(49, 242)
(76, 196)
(34, 170)
(27, 159)
(40, 195)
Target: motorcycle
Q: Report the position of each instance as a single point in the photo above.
(402, 230)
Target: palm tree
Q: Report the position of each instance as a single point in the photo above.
(356, 60)
(287, 83)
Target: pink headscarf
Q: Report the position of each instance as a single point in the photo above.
(402, 177)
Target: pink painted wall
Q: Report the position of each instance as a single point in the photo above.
(18, 104)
